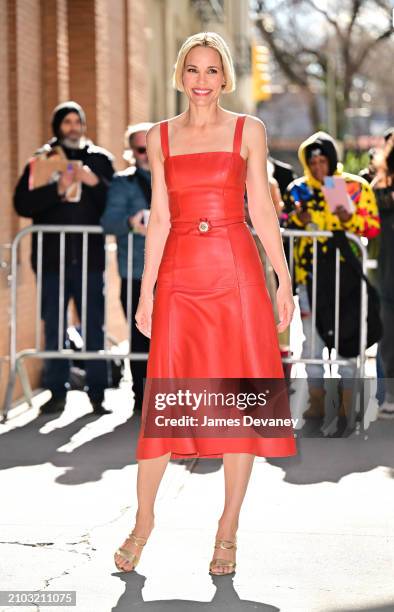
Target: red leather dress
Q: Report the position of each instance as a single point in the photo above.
(212, 314)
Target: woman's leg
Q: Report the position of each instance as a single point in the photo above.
(149, 475)
(237, 470)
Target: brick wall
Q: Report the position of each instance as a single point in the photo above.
(91, 51)
(6, 225)
(138, 61)
(55, 61)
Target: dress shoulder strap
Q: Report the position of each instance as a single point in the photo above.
(164, 138)
(238, 133)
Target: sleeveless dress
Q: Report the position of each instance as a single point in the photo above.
(212, 315)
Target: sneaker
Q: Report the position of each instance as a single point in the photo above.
(386, 410)
(98, 407)
(55, 404)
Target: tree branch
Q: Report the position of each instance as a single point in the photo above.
(330, 20)
(358, 61)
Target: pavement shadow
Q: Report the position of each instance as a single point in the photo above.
(225, 598)
(330, 459)
(27, 446)
(317, 459)
(207, 466)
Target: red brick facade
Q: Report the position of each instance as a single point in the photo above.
(91, 51)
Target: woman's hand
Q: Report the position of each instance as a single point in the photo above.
(286, 306)
(143, 315)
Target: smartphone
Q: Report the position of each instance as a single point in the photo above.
(336, 194)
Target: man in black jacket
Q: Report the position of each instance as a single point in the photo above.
(48, 205)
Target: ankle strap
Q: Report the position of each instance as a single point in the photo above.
(138, 541)
(225, 544)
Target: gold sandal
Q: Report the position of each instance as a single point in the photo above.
(224, 545)
(128, 555)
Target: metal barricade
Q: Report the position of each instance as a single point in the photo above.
(16, 356)
(315, 234)
(358, 403)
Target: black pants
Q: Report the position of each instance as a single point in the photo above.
(55, 375)
(139, 342)
(387, 348)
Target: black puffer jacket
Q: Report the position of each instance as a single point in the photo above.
(44, 206)
(385, 200)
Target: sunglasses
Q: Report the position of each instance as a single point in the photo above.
(140, 150)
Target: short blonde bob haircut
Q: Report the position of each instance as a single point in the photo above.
(205, 39)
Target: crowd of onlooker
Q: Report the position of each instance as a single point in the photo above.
(120, 202)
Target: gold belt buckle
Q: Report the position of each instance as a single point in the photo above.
(203, 225)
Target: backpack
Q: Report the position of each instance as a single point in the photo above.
(351, 274)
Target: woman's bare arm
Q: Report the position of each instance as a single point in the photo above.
(263, 214)
(159, 219)
(261, 207)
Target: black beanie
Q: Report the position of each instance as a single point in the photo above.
(64, 109)
(326, 147)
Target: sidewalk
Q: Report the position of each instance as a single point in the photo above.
(316, 531)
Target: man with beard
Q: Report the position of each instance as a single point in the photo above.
(48, 204)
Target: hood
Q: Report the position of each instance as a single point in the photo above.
(327, 144)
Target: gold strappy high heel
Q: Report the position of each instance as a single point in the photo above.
(128, 555)
(217, 562)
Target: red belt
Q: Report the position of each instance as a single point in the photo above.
(204, 224)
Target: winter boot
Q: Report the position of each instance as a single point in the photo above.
(316, 403)
(345, 406)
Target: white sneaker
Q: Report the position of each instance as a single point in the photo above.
(386, 410)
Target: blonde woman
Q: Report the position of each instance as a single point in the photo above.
(210, 315)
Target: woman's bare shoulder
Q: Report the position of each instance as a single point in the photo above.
(249, 118)
(153, 139)
(255, 132)
(154, 132)
(176, 120)
(253, 123)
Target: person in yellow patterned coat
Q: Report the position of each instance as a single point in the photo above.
(305, 208)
